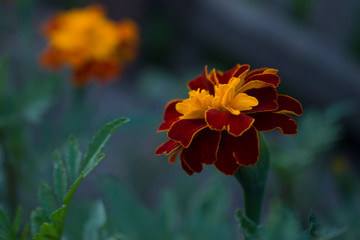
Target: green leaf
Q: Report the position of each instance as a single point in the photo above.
(59, 216)
(38, 217)
(48, 231)
(97, 144)
(17, 221)
(25, 233)
(4, 220)
(60, 178)
(70, 193)
(249, 228)
(47, 199)
(96, 221)
(73, 158)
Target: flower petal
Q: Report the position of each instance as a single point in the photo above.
(267, 121)
(266, 97)
(174, 154)
(184, 130)
(234, 124)
(226, 162)
(167, 147)
(289, 105)
(186, 167)
(202, 150)
(170, 115)
(254, 72)
(246, 148)
(253, 84)
(234, 72)
(202, 82)
(268, 78)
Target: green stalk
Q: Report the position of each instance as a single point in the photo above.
(253, 181)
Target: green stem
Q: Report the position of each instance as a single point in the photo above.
(253, 181)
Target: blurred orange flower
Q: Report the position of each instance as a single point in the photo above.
(91, 44)
(218, 124)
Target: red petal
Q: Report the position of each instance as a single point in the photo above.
(202, 150)
(170, 115)
(289, 105)
(267, 121)
(225, 77)
(202, 82)
(266, 97)
(241, 70)
(246, 148)
(167, 147)
(184, 130)
(186, 167)
(236, 151)
(256, 71)
(235, 124)
(268, 78)
(226, 162)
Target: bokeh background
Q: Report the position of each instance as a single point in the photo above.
(314, 43)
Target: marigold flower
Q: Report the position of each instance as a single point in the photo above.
(218, 124)
(91, 44)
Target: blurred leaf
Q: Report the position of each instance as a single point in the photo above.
(38, 217)
(17, 220)
(47, 199)
(70, 193)
(52, 228)
(91, 158)
(96, 221)
(249, 228)
(5, 227)
(73, 158)
(60, 178)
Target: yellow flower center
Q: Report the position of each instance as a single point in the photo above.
(228, 97)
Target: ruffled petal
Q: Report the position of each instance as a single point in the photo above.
(202, 150)
(167, 147)
(234, 124)
(266, 97)
(184, 130)
(185, 167)
(273, 79)
(226, 162)
(202, 82)
(267, 121)
(234, 72)
(289, 105)
(170, 115)
(246, 148)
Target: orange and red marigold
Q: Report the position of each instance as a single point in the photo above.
(91, 44)
(218, 124)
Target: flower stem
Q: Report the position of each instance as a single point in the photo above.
(253, 181)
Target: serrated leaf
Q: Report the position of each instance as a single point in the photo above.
(70, 193)
(38, 217)
(97, 144)
(60, 178)
(73, 158)
(47, 199)
(48, 231)
(93, 164)
(96, 221)
(59, 216)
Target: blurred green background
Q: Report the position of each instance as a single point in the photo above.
(134, 194)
